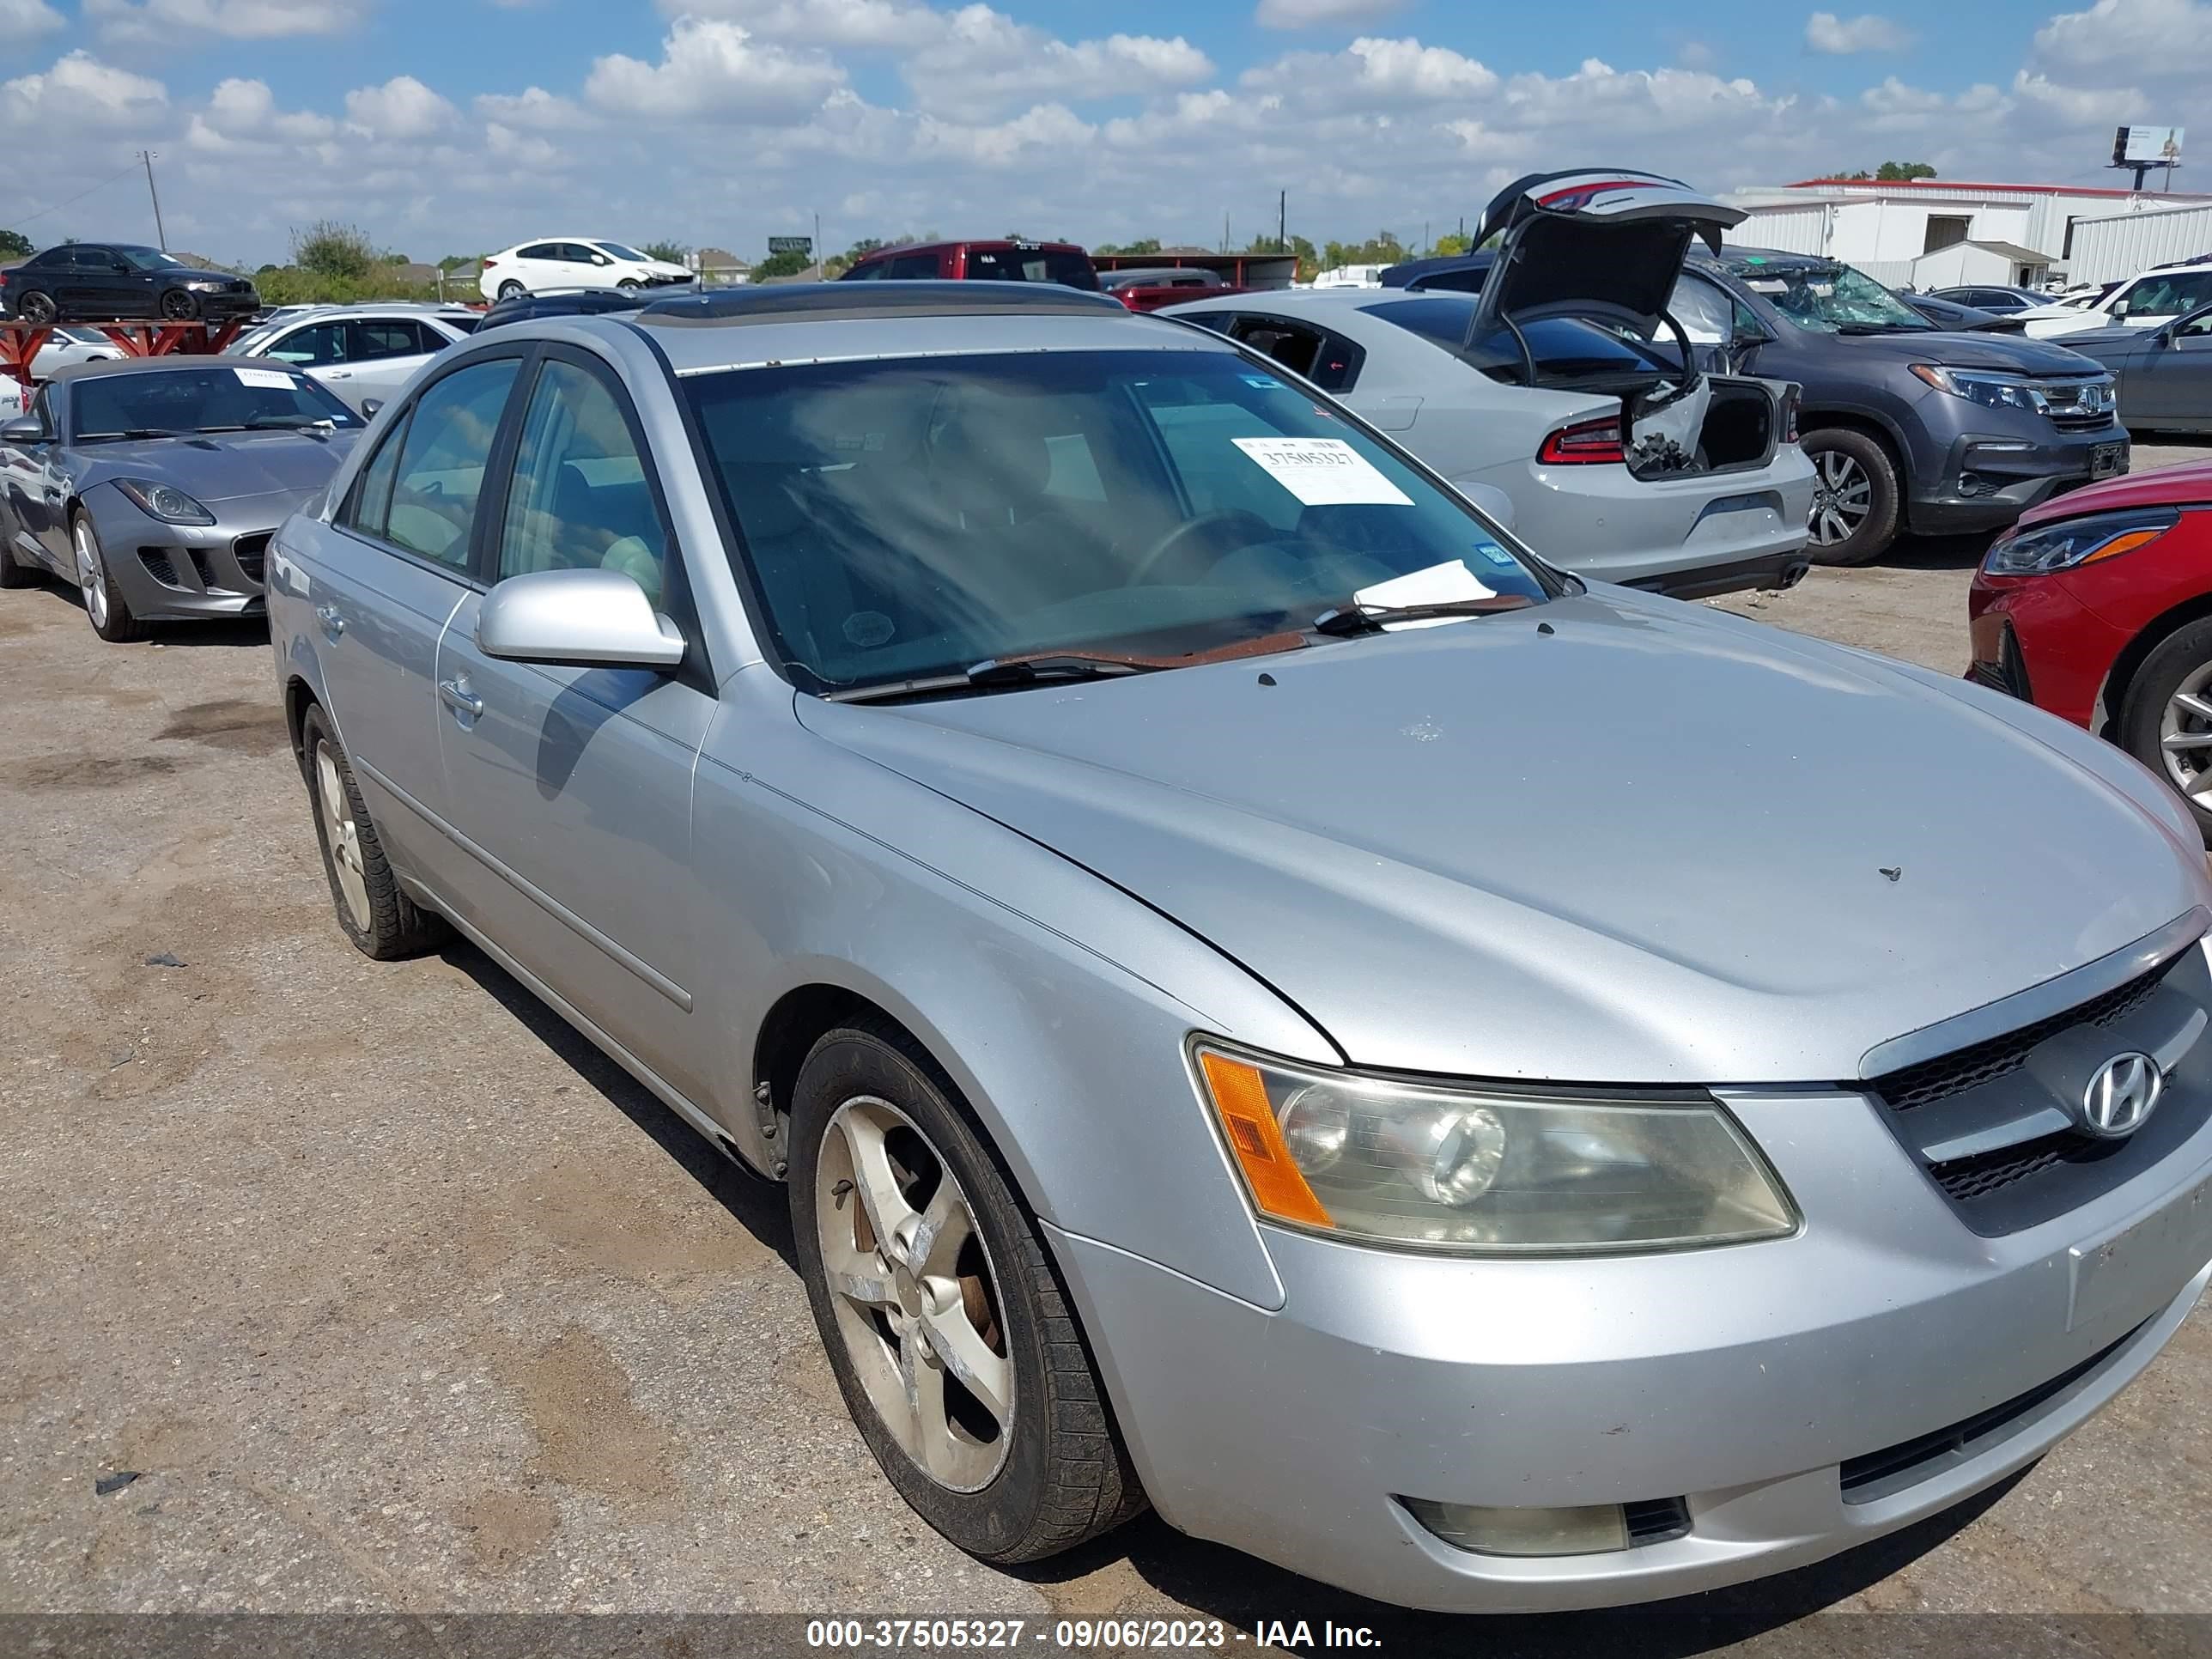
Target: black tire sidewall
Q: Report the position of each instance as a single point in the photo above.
(314, 729)
(993, 1521)
(510, 290)
(177, 305)
(1874, 536)
(37, 305)
(2152, 686)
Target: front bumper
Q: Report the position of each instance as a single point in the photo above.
(1751, 1382)
(177, 572)
(1992, 474)
(2034, 638)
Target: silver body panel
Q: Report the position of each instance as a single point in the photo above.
(1404, 854)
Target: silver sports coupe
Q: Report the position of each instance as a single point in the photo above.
(152, 484)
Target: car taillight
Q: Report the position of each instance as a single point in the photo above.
(1793, 399)
(1583, 443)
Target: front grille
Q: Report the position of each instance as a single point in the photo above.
(1655, 1520)
(2078, 406)
(1965, 1179)
(1984, 1062)
(251, 553)
(1879, 1474)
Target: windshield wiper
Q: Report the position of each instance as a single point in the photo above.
(1356, 619)
(994, 674)
(288, 424)
(1878, 328)
(130, 431)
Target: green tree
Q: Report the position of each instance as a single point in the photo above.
(674, 253)
(1897, 172)
(14, 245)
(327, 248)
(780, 264)
(1452, 242)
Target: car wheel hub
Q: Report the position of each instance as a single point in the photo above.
(1843, 497)
(342, 837)
(91, 580)
(915, 1294)
(2184, 736)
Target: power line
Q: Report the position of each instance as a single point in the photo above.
(79, 196)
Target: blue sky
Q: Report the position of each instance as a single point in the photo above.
(456, 125)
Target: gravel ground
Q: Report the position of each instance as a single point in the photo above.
(389, 1294)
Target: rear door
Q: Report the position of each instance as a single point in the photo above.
(384, 577)
(575, 783)
(539, 266)
(2171, 384)
(382, 354)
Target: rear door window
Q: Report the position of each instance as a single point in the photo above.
(314, 346)
(1329, 360)
(385, 337)
(912, 267)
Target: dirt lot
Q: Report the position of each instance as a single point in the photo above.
(393, 1295)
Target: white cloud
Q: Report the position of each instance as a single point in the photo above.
(1309, 14)
(403, 108)
(522, 148)
(2136, 40)
(984, 58)
(713, 70)
(21, 21)
(1825, 32)
(246, 112)
(881, 23)
(80, 89)
(534, 108)
(1046, 129)
(237, 20)
(1372, 74)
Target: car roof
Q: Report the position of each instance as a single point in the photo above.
(176, 362)
(818, 321)
(986, 242)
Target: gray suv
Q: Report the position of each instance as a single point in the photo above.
(1118, 838)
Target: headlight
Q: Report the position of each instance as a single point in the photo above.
(164, 501)
(1991, 391)
(2044, 548)
(1482, 1171)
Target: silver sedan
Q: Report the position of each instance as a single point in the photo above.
(1142, 858)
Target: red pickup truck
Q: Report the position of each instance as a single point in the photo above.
(1148, 287)
(971, 262)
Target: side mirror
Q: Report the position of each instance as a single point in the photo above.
(2119, 310)
(369, 406)
(583, 618)
(601, 260)
(23, 429)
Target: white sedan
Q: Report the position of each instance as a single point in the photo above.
(361, 353)
(575, 262)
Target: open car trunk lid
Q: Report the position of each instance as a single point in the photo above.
(1603, 243)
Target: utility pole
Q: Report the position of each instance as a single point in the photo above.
(817, 245)
(1282, 222)
(159, 235)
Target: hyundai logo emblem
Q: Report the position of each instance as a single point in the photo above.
(2121, 1096)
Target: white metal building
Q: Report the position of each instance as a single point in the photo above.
(2106, 250)
(1890, 230)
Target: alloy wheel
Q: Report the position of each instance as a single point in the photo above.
(2184, 736)
(342, 836)
(177, 305)
(35, 307)
(91, 575)
(1843, 497)
(916, 1296)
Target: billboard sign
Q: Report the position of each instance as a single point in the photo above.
(791, 244)
(2147, 147)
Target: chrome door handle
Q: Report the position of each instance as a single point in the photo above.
(333, 624)
(456, 696)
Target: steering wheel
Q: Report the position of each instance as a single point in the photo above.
(1184, 538)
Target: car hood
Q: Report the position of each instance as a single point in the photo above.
(222, 467)
(2161, 486)
(1617, 839)
(2013, 354)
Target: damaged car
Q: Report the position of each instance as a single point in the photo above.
(152, 484)
(1566, 384)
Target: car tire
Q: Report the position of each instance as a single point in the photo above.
(105, 607)
(1855, 492)
(509, 289)
(2179, 667)
(381, 921)
(630, 281)
(180, 305)
(35, 306)
(1053, 1473)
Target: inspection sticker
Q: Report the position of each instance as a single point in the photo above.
(1323, 472)
(275, 379)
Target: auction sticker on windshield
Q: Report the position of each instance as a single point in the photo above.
(1323, 472)
(273, 379)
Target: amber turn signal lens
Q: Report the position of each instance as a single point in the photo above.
(2127, 544)
(1240, 1101)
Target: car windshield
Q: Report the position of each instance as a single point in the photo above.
(1030, 265)
(621, 252)
(150, 259)
(220, 397)
(1562, 349)
(911, 518)
(1834, 299)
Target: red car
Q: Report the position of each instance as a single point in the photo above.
(979, 262)
(2098, 607)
